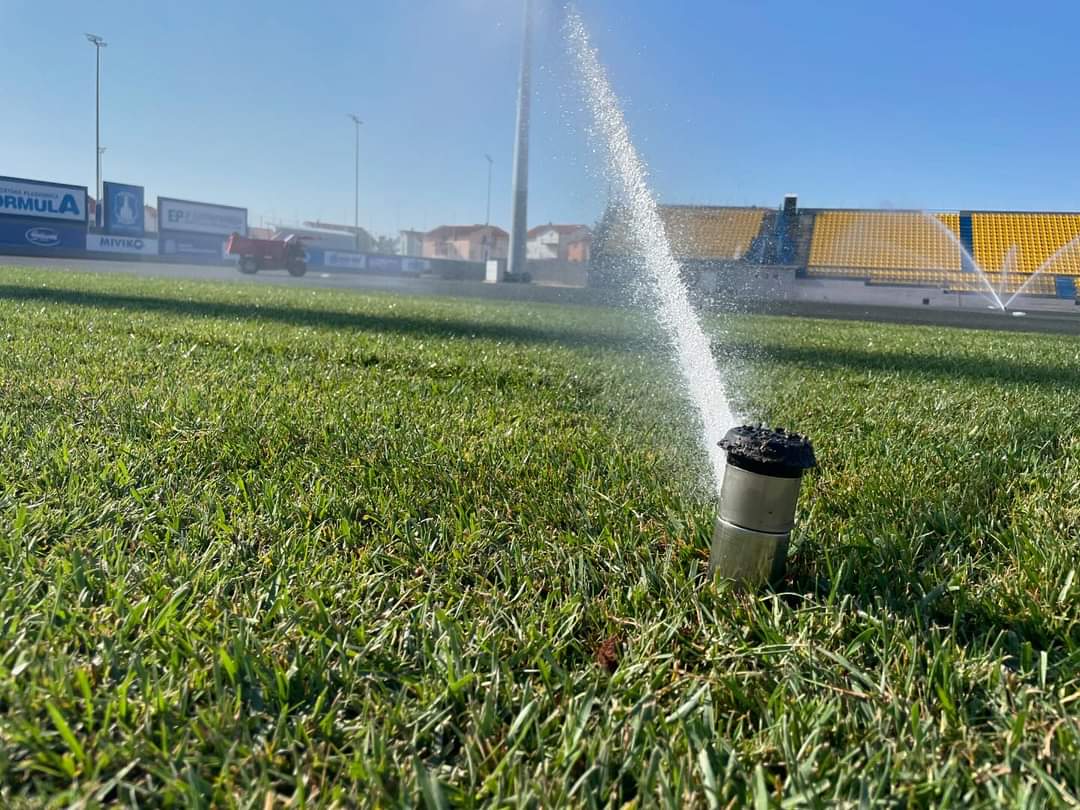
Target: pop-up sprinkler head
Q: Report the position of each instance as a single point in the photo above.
(757, 503)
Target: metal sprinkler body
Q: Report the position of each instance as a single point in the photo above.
(757, 503)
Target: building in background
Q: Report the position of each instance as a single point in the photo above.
(362, 240)
(411, 243)
(469, 243)
(564, 243)
(323, 238)
(579, 251)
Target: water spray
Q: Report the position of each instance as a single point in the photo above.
(763, 470)
(762, 478)
(705, 386)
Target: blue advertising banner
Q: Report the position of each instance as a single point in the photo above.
(43, 236)
(124, 212)
(337, 258)
(384, 264)
(410, 264)
(194, 247)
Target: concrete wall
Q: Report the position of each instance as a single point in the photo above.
(558, 274)
(450, 270)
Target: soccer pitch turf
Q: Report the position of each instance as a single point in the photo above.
(265, 546)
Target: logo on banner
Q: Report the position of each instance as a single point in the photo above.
(355, 261)
(48, 206)
(120, 244)
(125, 209)
(43, 237)
(32, 198)
(193, 217)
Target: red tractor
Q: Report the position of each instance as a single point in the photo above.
(268, 254)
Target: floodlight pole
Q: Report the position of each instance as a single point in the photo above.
(519, 227)
(356, 188)
(98, 44)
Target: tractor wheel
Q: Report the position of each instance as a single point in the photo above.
(297, 268)
(248, 265)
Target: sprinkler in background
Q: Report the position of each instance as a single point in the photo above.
(757, 503)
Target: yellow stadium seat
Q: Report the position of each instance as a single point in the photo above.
(1038, 238)
(891, 247)
(696, 232)
(711, 233)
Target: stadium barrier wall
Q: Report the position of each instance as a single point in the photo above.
(39, 218)
(558, 273)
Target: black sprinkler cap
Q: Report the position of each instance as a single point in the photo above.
(773, 452)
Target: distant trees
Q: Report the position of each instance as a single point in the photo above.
(385, 244)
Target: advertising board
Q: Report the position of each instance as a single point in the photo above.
(33, 199)
(410, 264)
(351, 261)
(124, 211)
(196, 247)
(130, 245)
(184, 216)
(43, 236)
(384, 264)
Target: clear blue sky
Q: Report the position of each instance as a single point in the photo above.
(914, 104)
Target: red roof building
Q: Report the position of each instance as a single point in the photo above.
(469, 243)
(565, 243)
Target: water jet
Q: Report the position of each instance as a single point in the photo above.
(760, 490)
(662, 281)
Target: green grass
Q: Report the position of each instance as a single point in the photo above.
(266, 547)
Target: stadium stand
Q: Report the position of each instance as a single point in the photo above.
(878, 247)
(906, 248)
(695, 232)
(890, 247)
(1037, 238)
(711, 233)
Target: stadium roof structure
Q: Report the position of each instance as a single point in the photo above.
(333, 227)
(562, 230)
(462, 231)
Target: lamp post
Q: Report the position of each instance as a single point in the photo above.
(98, 44)
(490, 163)
(356, 190)
(519, 227)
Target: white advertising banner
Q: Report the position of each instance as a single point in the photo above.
(185, 216)
(29, 198)
(134, 245)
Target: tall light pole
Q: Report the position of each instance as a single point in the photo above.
(490, 162)
(98, 44)
(356, 191)
(519, 227)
